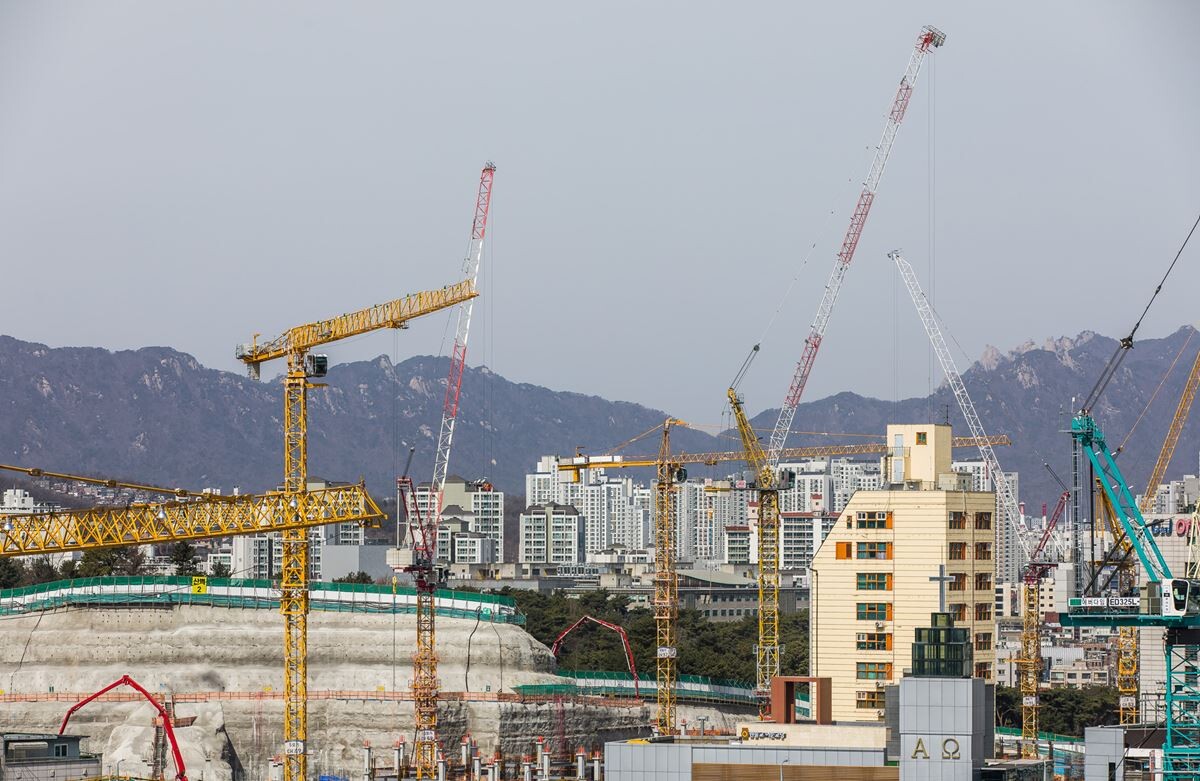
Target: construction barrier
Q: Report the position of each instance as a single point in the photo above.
(249, 594)
(346, 695)
(692, 688)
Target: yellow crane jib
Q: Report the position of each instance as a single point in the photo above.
(393, 314)
(577, 463)
(158, 522)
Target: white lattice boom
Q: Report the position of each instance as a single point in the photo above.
(1008, 500)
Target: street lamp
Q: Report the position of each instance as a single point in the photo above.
(119, 761)
(781, 764)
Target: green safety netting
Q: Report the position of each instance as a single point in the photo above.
(1051, 736)
(619, 684)
(335, 597)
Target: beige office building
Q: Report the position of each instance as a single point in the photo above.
(875, 577)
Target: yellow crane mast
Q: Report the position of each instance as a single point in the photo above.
(767, 651)
(295, 345)
(666, 581)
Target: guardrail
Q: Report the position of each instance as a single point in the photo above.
(249, 594)
(693, 688)
(330, 694)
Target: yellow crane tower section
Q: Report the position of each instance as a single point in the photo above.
(767, 651)
(295, 345)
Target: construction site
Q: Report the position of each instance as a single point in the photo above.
(290, 678)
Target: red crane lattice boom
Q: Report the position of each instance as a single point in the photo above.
(929, 38)
(168, 728)
(607, 625)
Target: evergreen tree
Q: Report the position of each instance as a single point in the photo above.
(128, 560)
(12, 573)
(220, 570)
(355, 577)
(183, 558)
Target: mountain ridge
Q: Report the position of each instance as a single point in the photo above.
(157, 415)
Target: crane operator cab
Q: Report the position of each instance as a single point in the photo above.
(1183, 599)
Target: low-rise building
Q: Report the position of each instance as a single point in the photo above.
(46, 757)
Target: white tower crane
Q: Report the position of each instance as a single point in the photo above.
(1004, 494)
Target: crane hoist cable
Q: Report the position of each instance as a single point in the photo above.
(1126, 344)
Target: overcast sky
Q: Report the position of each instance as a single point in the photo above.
(188, 174)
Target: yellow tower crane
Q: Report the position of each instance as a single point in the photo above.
(295, 345)
(666, 580)
(767, 651)
(669, 472)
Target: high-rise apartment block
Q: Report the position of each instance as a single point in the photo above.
(551, 534)
(886, 565)
(476, 502)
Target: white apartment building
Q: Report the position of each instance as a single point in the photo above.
(551, 534)
(1009, 559)
(484, 504)
(474, 548)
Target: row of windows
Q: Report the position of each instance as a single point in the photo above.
(958, 520)
(873, 671)
(864, 550)
(874, 641)
(958, 582)
(958, 551)
(874, 581)
(874, 519)
(869, 699)
(983, 611)
(874, 611)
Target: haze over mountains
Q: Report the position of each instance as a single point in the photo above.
(157, 415)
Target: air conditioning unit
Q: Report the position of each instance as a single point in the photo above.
(862, 637)
(881, 684)
(880, 624)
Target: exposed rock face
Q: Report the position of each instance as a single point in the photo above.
(192, 649)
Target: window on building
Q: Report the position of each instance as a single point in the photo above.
(958, 610)
(983, 669)
(60, 749)
(983, 581)
(983, 521)
(983, 641)
(983, 551)
(874, 611)
(958, 551)
(922, 438)
(874, 519)
(844, 549)
(874, 550)
(983, 611)
(874, 581)
(869, 699)
(958, 582)
(958, 520)
(873, 671)
(874, 641)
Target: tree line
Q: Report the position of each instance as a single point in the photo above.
(705, 647)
